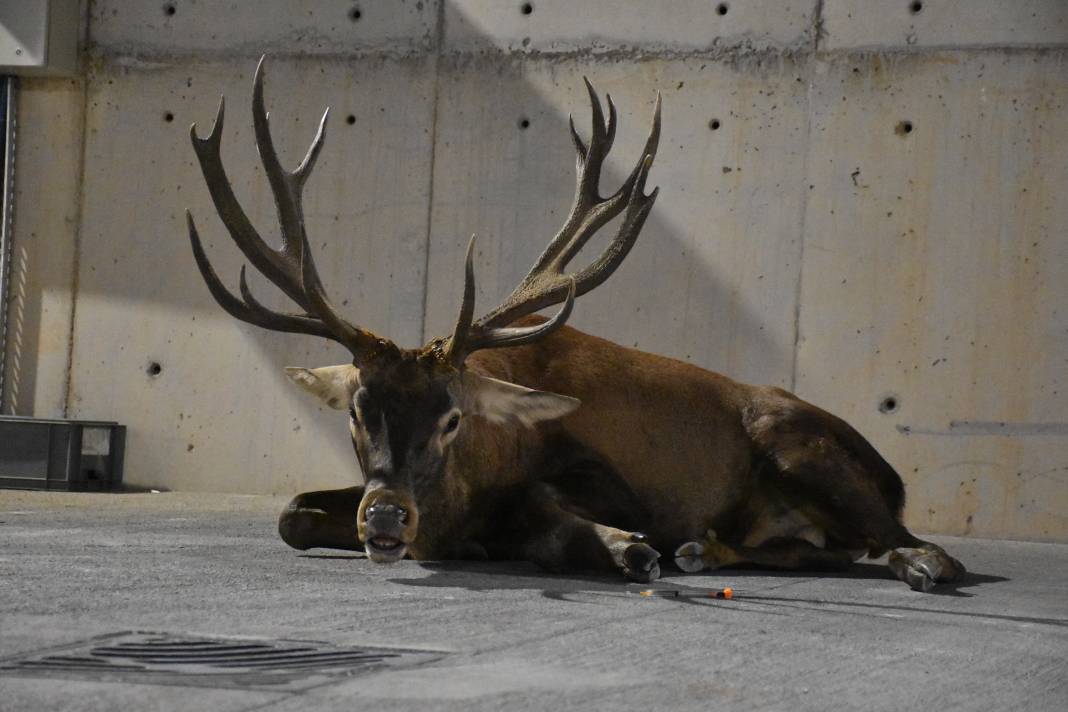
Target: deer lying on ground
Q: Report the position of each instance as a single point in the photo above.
(517, 437)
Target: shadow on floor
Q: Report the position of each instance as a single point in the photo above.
(354, 555)
(496, 576)
(444, 571)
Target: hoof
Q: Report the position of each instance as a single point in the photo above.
(640, 563)
(921, 569)
(709, 553)
(690, 557)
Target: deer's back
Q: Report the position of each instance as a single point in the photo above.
(673, 431)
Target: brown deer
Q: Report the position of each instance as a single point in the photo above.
(517, 437)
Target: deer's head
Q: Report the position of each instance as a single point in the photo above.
(408, 408)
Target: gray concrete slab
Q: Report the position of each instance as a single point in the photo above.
(862, 200)
(879, 25)
(593, 27)
(896, 301)
(75, 566)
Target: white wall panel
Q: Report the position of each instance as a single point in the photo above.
(936, 272)
(221, 415)
(914, 24)
(250, 28)
(594, 26)
(46, 214)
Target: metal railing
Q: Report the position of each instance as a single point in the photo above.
(8, 114)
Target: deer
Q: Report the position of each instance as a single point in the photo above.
(517, 437)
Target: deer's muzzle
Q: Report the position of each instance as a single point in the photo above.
(387, 522)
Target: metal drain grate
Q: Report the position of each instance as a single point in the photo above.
(163, 658)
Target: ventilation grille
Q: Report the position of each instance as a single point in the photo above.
(164, 658)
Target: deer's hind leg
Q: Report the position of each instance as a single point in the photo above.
(783, 553)
(858, 515)
(835, 475)
(324, 519)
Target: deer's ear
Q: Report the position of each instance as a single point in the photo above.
(333, 385)
(497, 401)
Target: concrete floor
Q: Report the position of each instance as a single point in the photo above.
(75, 566)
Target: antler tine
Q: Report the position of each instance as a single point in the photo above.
(301, 173)
(258, 252)
(519, 335)
(292, 268)
(638, 208)
(607, 208)
(599, 141)
(249, 310)
(456, 349)
(465, 340)
(588, 164)
(546, 284)
(286, 186)
(360, 341)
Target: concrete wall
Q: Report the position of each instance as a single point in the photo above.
(877, 218)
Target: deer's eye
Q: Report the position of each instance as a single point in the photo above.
(454, 422)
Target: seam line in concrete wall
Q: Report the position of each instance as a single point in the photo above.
(861, 51)
(7, 216)
(803, 226)
(817, 35)
(817, 26)
(68, 383)
(150, 58)
(740, 54)
(439, 42)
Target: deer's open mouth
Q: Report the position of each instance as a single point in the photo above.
(385, 549)
(386, 522)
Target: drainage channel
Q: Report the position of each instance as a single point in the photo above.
(201, 661)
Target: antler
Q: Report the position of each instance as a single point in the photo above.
(292, 268)
(546, 284)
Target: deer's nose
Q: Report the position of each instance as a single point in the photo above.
(387, 511)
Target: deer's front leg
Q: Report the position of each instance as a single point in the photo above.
(322, 519)
(559, 540)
